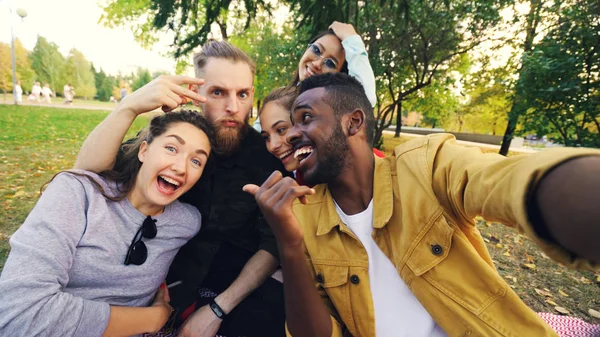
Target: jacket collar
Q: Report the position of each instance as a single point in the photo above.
(382, 200)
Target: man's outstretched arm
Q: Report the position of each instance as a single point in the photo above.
(561, 183)
(567, 201)
(99, 150)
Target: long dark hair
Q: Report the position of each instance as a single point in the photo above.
(127, 164)
(344, 69)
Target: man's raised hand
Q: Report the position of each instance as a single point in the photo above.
(163, 92)
(275, 198)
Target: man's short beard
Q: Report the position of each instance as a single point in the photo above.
(334, 153)
(228, 139)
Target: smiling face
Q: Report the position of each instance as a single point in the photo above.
(171, 165)
(275, 123)
(229, 91)
(319, 142)
(325, 55)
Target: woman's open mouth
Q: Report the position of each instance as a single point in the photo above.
(310, 72)
(167, 185)
(286, 156)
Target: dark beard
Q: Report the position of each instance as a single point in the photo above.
(228, 139)
(333, 158)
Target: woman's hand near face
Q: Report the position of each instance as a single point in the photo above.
(163, 92)
(342, 30)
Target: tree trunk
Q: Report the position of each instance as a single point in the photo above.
(533, 19)
(398, 119)
(223, 28)
(508, 135)
(378, 135)
(258, 103)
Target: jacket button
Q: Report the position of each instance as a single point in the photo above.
(437, 249)
(354, 279)
(320, 278)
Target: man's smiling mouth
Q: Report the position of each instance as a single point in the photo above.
(303, 152)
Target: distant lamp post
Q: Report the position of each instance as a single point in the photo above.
(22, 13)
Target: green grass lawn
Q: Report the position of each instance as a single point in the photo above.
(37, 142)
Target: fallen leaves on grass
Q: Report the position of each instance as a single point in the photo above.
(582, 279)
(562, 310)
(543, 292)
(563, 293)
(529, 258)
(19, 193)
(529, 266)
(493, 238)
(594, 313)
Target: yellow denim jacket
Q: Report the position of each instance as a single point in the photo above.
(425, 198)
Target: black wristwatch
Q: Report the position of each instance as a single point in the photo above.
(217, 309)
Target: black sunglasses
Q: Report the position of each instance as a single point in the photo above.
(137, 252)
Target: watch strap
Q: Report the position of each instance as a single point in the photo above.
(217, 309)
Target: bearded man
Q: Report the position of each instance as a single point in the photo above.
(220, 281)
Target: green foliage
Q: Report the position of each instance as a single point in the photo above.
(104, 84)
(24, 71)
(79, 74)
(276, 55)
(412, 44)
(541, 12)
(5, 67)
(435, 102)
(189, 20)
(132, 13)
(561, 79)
(488, 92)
(140, 78)
(48, 63)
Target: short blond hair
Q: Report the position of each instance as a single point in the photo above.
(221, 50)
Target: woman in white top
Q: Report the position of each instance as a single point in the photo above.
(340, 49)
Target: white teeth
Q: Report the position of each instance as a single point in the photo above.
(303, 150)
(285, 154)
(171, 181)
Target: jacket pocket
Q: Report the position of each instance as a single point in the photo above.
(431, 248)
(445, 260)
(333, 278)
(330, 274)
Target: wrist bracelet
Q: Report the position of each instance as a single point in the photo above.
(217, 309)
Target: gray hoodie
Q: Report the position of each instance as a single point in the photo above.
(66, 262)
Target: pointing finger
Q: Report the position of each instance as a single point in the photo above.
(250, 188)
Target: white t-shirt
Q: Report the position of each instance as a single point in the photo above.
(36, 90)
(46, 92)
(397, 310)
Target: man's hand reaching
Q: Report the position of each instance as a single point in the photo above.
(275, 198)
(163, 92)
